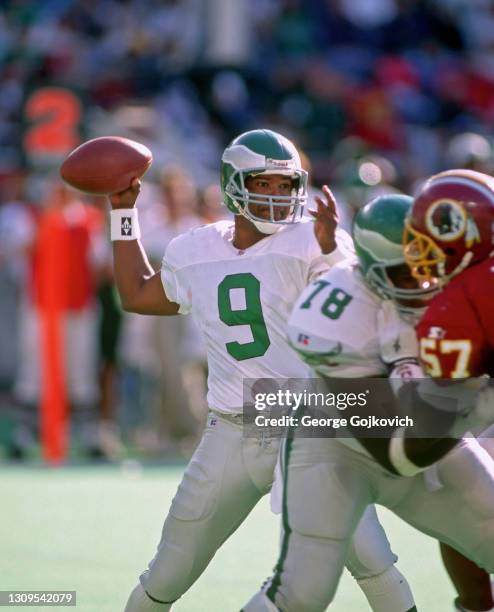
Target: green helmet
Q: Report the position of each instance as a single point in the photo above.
(262, 152)
(377, 233)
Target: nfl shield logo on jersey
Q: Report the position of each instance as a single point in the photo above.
(303, 339)
(436, 332)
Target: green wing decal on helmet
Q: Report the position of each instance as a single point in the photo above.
(377, 234)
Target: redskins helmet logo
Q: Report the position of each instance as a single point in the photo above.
(446, 220)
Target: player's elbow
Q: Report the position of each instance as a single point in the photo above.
(142, 304)
(131, 305)
(147, 297)
(134, 303)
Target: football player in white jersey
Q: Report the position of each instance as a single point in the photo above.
(239, 279)
(364, 309)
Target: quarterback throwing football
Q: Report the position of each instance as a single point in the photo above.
(239, 279)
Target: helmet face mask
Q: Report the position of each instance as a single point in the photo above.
(256, 153)
(424, 257)
(379, 278)
(377, 234)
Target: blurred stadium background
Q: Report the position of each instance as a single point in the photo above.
(378, 94)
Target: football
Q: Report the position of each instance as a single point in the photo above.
(105, 165)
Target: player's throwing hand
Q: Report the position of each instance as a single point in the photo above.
(126, 198)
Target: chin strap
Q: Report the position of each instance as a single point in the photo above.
(263, 226)
(266, 228)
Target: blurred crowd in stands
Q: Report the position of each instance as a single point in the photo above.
(377, 94)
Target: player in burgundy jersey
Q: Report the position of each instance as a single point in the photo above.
(449, 239)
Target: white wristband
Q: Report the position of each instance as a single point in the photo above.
(124, 224)
(398, 457)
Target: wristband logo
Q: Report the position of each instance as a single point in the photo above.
(126, 226)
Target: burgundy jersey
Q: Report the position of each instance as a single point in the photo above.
(456, 334)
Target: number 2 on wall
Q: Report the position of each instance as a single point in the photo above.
(55, 114)
(251, 315)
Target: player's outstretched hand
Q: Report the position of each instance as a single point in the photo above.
(326, 220)
(127, 198)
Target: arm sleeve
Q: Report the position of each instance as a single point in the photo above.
(174, 278)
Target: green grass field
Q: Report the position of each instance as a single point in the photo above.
(93, 529)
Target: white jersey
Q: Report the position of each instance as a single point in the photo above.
(334, 328)
(241, 300)
(333, 325)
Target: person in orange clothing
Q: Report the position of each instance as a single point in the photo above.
(77, 230)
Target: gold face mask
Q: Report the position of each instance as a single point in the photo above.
(422, 255)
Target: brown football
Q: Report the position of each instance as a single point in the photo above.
(105, 165)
